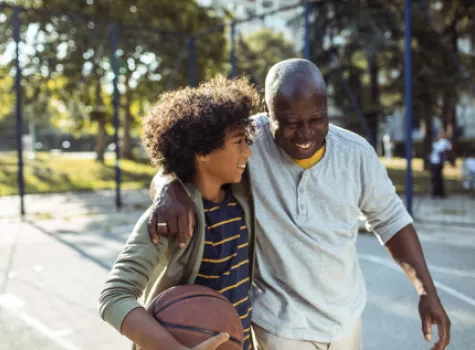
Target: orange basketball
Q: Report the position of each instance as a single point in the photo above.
(193, 314)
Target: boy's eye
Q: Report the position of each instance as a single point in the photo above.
(247, 140)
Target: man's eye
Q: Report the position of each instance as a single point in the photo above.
(291, 123)
(249, 141)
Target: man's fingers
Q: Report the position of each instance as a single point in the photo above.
(427, 327)
(191, 222)
(443, 328)
(172, 225)
(213, 343)
(152, 228)
(183, 230)
(162, 228)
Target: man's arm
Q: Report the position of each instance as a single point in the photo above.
(406, 250)
(173, 210)
(393, 225)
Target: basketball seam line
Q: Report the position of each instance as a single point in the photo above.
(190, 297)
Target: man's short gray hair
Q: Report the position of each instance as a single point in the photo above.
(290, 72)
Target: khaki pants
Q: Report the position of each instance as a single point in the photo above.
(269, 341)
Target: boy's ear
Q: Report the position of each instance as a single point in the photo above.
(201, 159)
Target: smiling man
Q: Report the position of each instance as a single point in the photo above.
(311, 181)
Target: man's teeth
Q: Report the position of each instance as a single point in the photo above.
(304, 145)
(242, 166)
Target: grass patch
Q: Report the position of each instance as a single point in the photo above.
(421, 179)
(49, 174)
(59, 173)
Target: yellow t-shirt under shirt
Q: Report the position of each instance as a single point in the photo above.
(310, 162)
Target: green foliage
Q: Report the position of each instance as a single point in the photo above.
(258, 51)
(67, 65)
(369, 37)
(48, 173)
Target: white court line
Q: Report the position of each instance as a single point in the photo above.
(13, 303)
(392, 265)
(450, 271)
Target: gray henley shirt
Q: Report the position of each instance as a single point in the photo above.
(308, 283)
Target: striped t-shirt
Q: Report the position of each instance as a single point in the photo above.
(225, 264)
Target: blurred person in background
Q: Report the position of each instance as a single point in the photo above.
(441, 152)
(468, 171)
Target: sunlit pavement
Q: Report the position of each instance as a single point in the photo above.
(51, 273)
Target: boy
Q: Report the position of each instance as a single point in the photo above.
(201, 136)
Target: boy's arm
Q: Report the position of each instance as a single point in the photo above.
(140, 327)
(130, 274)
(127, 280)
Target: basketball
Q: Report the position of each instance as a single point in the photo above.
(193, 314)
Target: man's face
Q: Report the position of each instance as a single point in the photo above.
(302, 121)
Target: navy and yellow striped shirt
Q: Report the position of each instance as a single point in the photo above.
(225, 264)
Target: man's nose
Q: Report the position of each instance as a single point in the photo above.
(305, 131)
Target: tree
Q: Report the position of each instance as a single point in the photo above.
(79, 50)
(258, 51)
(367, 38)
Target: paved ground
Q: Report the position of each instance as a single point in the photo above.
(52, 270)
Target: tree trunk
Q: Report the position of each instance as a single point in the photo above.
(426, 116)
(453, 107)
(101, 140)
(373, 113)
(101, 123)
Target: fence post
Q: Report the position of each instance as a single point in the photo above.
(408, 98)
(233, 50)
(191, 60)
(115, 101)
(307, 8)
(19, 117)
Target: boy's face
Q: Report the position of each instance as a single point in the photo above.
(227, 164)
(302, 121)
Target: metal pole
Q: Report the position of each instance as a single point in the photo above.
(114, 34)
(191, 60)
(307, 8)
(19, 119)
(408, 98)
(232, 56)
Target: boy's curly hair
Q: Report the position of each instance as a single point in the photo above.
(194, 121)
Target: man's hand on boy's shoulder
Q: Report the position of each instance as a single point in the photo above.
(172, 213)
